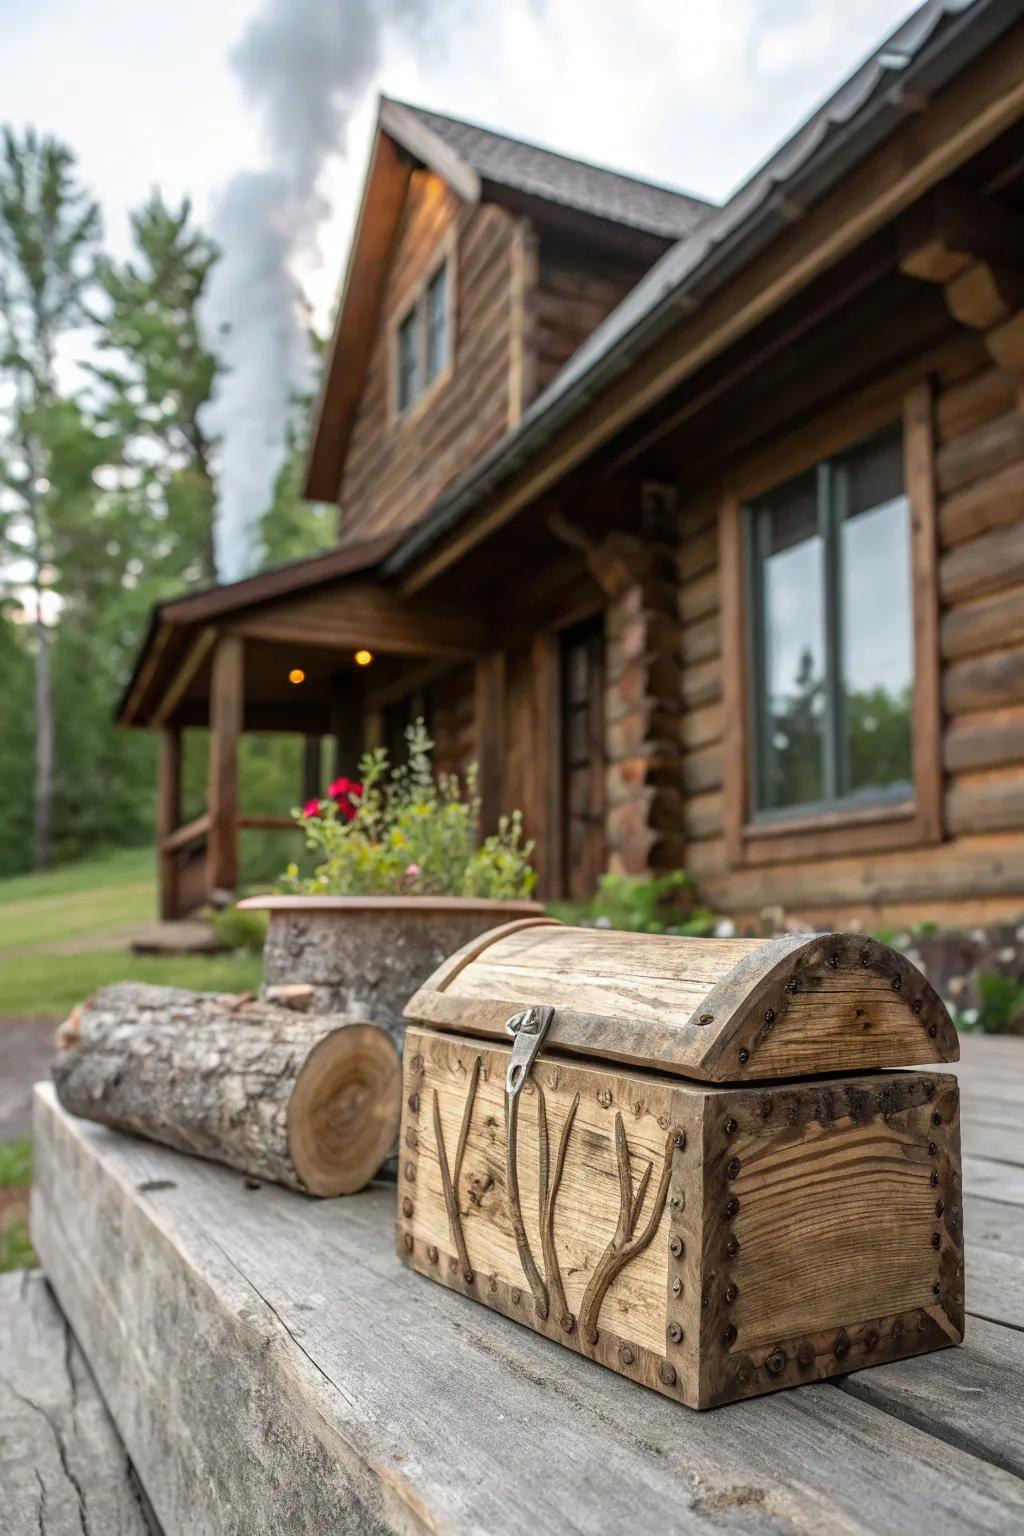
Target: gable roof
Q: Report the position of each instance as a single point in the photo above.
(931, 48)
(475, 162)
(515, 163)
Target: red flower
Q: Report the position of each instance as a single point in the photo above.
(345, 792)
(311, 808)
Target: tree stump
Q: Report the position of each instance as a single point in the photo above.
(305, 1100)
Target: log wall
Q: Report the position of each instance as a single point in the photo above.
(576, 288)
(977, 873)
(395, 469)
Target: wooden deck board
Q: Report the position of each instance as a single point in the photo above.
(362, 1398)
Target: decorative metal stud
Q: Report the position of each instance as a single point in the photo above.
(410, 1172)
(468, 1276)
(732, 1205)
(936, 1117)
(706, 1018)
(732, 1247)
(916, 1005)
(728, 1334)
(934, 1177)
(411, 1138)
(568, 1322)
(408, 1242)
(432, 1254)
(936, 1287)
(626, 1355)
(793, 984)
(667, 1372)
(515, 1295)
(776, 1361)
(414, 1103)
(933, 1030)
(936, 1240)
(675, 1246)
(865, 958)
(407, 1206)
(679, 1140)
(939, 1207)
(730, 1127)
(841, 1345)
(675, 1333)
(769, 1016)
(732, 1167)
(933, 1147)
(677, 1287)
(897, 983)
(731, 1292)
(805, 1353)
(744, 1056)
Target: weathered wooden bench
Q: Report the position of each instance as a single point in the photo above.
(63, 1467)
(272, 1367)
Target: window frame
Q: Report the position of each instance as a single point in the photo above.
(415, 304)
(839, 827)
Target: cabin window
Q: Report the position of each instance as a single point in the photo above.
(423, 342)
(437, 323)
(407, 362)
(832, 634)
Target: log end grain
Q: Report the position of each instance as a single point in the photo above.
(344, 1110)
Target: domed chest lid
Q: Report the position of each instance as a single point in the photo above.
(718, 1010)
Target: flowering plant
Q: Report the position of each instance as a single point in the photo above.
(401, 831)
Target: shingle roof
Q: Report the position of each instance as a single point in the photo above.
(572, 183)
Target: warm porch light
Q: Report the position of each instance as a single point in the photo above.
(296, 675)
(363, 658)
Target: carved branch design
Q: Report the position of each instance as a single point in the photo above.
(624, 1246)
(549, 1290)
(450, 1177)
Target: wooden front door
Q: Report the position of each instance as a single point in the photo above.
(583, 763)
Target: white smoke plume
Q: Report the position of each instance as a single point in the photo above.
(305, 65)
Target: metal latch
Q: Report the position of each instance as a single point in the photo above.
(527, 1030)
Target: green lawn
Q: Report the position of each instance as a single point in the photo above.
(38, 911)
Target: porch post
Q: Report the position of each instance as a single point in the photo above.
(227, 701)
(168, 819)
(489, 722)
(311, 773)
(346, 725)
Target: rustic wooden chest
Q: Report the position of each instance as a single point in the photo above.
(682, 1157)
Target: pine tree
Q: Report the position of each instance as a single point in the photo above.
(157, 378)
(49, 227)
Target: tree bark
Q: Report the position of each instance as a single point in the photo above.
(305, 1100)
(42, 856)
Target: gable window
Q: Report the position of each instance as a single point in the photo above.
(423, 342)
(437, 323)
(831, 665)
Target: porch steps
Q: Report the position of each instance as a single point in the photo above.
(273, 1368)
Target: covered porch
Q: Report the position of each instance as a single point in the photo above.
(321, 649)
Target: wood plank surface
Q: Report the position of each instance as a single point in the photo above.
(393, 1404)
(63, 1469)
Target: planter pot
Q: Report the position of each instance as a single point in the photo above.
(366, 955)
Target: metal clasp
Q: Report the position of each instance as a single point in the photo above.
(527, 1030)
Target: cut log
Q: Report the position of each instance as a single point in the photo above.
(309, 1101)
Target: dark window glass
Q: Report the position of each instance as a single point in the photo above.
(408, 362)
(437, 323)
(833, 653)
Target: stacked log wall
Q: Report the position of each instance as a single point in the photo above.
(577, 287)
(976, 874)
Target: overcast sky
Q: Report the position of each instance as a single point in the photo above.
(689, 92)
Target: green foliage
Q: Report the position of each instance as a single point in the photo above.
(16, 1251)
(237, 929)
(16, 1163)
(661, 905)
(407, 833)
(1001, 1008)
(48, 984)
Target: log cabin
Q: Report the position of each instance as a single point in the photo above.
(700, 529)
